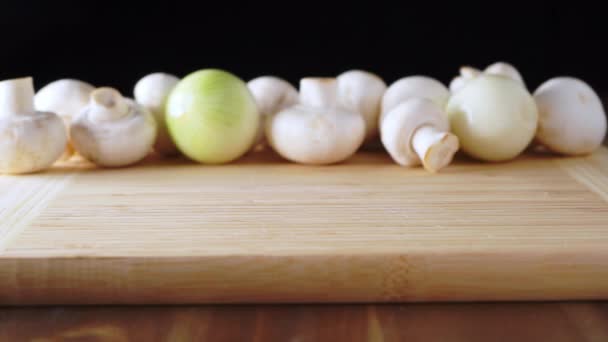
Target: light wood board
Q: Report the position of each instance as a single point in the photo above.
(264, 230)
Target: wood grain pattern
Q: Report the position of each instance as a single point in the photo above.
(591, 172)
(23, 200)
(263, 230)
(522, 322)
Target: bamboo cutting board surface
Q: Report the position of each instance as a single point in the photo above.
(264, 230)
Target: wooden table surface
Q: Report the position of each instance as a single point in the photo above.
(524, 321)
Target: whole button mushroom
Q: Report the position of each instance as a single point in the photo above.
(416, 132)
(113, 131)
(414, 87)
(572, 119)
(318, 130)
(30, 140)
(151, 91)
(361, 91)
(65, 97)
(272, 94)
(494, 117)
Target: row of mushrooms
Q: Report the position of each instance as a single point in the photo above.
(488, 114)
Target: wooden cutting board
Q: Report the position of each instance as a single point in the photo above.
(263, 230)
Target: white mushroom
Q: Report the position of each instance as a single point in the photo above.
(468, 73)
(272, 94)
(113, 131)
(66, 98)
(416, 132)
(151, 91)
(457, 83)
(572, 119)
(414, 87)
(361, 91)
(505, 69)
(30, 140)
(316, 131)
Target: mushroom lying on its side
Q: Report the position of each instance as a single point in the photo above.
(30, 140)
(414, 87)
(272, 94)
(113, 131)
(571, 119)
(416, 132)
(316, 131)
(66, 98)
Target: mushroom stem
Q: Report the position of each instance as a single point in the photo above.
(319, 92)
(107, 104)
(434, 147)
(17, 96)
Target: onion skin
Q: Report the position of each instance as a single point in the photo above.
(494, 117)
(212, 116)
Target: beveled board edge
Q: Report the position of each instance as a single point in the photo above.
(476, 275)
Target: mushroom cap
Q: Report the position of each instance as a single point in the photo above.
(361, 91)
(115, 141)
(494, 117)
(316, 135)
(572, 119)
(400, 125)
(468, 72)
(272, 94)
(505, 69)
(31, 142)
(151, 91)
(65, 97)
(414, 87)
(457, 83)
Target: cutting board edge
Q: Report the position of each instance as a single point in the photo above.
(413, 277)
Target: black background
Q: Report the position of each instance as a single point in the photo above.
(114, 44)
